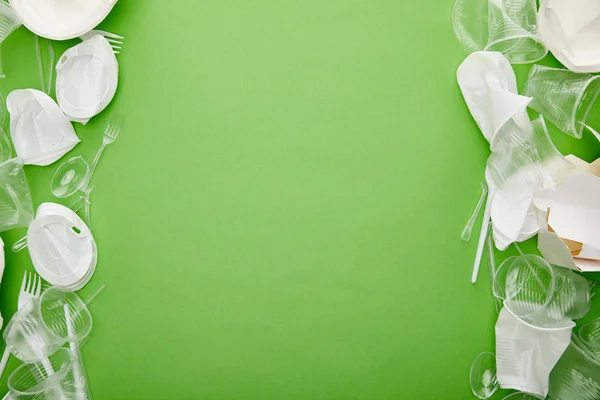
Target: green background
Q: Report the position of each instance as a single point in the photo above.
(281, 216)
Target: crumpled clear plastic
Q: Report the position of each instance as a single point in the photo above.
(523, 161)
(564, 97)
(526, 155)
(16, 207)
(570, 29)
(526, 354)
(507, 26)
(489, 86)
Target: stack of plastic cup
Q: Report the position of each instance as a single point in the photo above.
(36, 335)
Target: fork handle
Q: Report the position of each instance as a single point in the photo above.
(4, 361)
(95, 162)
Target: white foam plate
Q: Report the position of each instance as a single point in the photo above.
(62, 19)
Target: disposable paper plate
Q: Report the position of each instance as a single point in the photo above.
(62, 248)
(570, 29)
(39, 129)
(87, 79)
(62, 19)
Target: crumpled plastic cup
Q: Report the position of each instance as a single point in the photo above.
(526, 354)
(564, 97)
(16, 207)
(527, 154)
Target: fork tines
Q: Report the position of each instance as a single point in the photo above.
(114, 127)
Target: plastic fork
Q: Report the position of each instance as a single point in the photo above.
(116, 41)
(31, 288)
(110, 135)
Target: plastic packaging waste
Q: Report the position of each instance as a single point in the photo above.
(577, 374)
(570, 29)
(483, 380)
(16, 208)
(507, 26)
(87, 79)
(564, 97)
(539, 293)
(526, 353)
(40, 131)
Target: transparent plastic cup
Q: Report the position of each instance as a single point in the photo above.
(16, 207)
(539, 293)
(470, 22)
(72, 326)
(506, 26)
(589, 334)
(42, 326)
(513, 31)
(53, 379)
(483, 379)
(576, 376)
(564, 97)
(571, 297)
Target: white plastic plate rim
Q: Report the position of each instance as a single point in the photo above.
(110, 69)
(50, 213)
(57, 29)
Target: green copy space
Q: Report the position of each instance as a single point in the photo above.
(281, 216)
